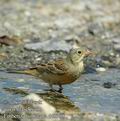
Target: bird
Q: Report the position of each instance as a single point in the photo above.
(60, 71)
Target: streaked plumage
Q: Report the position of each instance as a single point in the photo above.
(60, 72)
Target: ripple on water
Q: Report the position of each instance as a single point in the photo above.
(88, 93)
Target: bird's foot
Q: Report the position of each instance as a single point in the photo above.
(60, 89)
(51, 90)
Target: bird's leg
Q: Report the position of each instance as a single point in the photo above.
(60, 89)
(51, 88)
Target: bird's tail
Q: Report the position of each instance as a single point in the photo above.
(28, 71)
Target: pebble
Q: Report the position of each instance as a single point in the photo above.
(7, 24)
(20, 80)
(108, 85)
(117, 47)
(27, 13)
(42, 104)
(100, 69)
(49, 45)
(116, 41)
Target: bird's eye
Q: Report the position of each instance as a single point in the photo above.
(79, 52)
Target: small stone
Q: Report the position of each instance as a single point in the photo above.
(116, 41)
(108, 85)
(27, 40)
(14, 40)
(20, 80)
(3, 56)
(27, 13)
(117, 47)
(100, 69)
(107, 63)
(7, 24)
(38, 59)
(42, 104)
(49, 45)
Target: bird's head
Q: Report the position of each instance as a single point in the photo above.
(77, 55)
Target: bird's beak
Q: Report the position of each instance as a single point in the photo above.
(88, 52)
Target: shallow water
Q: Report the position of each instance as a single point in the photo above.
(87, 93)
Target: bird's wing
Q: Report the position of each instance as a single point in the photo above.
(56, 67)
